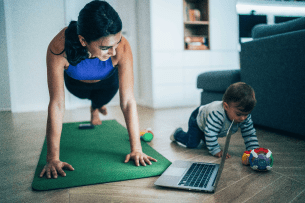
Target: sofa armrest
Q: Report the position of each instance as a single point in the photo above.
(217, 81)
(264, 30)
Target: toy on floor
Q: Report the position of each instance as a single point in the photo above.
(260, 159)
(245, 158)
(147, 135)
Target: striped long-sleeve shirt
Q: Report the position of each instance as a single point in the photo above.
(213, 121)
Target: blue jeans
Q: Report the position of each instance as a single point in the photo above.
(194, 135)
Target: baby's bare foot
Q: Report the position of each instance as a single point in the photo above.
(95, 118)
(103, 110)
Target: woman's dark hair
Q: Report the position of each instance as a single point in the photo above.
(241, 93)
(97, 19)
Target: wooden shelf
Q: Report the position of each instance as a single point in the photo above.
(196, 24)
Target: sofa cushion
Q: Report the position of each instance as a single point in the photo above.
(217, 81)
(264, 30)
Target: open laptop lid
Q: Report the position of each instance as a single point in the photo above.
(224, 155)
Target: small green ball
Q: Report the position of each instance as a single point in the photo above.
(147, 137)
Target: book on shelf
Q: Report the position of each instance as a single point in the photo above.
(195, 39)
(194, 15)
(196, 47)
(187, 13)
(196, 42)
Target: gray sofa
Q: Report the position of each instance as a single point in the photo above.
(274, 65)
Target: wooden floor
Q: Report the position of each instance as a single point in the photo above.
(22, 136)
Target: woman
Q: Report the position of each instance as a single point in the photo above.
(94, 60)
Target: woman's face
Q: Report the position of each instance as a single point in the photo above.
(104, 47)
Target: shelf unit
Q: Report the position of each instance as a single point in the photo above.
(196, 24)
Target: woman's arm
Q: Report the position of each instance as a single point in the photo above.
(56, 105)
(128, 103)
(55, 70)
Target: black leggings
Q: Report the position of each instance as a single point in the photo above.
(99, 93)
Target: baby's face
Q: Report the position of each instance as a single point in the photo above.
(235, 113)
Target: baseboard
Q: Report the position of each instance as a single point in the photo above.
(5, 109)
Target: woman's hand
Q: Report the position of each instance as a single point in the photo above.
(139, 157)
(55, 167)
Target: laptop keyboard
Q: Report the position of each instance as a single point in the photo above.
(198, 175)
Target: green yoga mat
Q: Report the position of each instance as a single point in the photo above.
(97, 155)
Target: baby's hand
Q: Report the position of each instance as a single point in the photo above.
(219, 154)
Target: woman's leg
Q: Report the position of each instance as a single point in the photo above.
(102, 94)
(99, 93)
(99, 98)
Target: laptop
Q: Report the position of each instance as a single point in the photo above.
(191, 175)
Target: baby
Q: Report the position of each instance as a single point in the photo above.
(210, 121)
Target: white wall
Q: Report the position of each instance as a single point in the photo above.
(5, 101)
(72, 8)
(30, 26)
(175, 70)
(144, 53)
(127, 12)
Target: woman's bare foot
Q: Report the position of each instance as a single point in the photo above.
(103, 110)
(95, 118)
